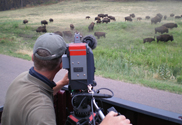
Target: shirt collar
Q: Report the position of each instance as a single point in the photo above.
(42, 78)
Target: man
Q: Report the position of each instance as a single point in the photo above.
(29, 99)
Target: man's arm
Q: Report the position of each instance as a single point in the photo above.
(61, 83)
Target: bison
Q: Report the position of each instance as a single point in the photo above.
(132, 15)
(128, 18)
(148, 40)
(101, 15)
(91, 26)
(165, 17)
(41, 29)
(67, 33)
(99, 34)
(160, 15)
(106, 20)
(51, 20)
(72, 26)
(155, 19)
(147, 17)
(139, 18)
(44, 22)
(177, 17)
(172, 15)
(97, 18)
(87, 17)
(112, 18)
(98, 21)
(170, 25)
(25, 21)
(165, 38)
(161, 29)
(59, 33)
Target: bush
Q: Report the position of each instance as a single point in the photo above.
(179, 79)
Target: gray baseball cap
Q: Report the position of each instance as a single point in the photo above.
(51, 42)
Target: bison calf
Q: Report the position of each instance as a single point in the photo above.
(165, 38)
(148, 40)
(99, 34)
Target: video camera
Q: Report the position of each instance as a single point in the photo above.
(79, 61)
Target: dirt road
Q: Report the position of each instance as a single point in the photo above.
(10, 67)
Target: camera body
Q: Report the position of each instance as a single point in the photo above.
(79, 61)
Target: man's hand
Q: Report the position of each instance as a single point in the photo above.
(65, 80)
(112, 119)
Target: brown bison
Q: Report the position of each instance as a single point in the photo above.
(91, 26)
(170, 25)
(51, 20)
(25, 21)
(72, 26)
(101, 15)
(132, 15)
(148, 40)
(99, 34)
(59, 33)
(160, 15)
(99, 21)
(165, 38)
(97, 18)
(67, 33)
(87, 17)
(165, 17)
(128, 18)
(112, 18)
(44, 22)
(177, 17)
(139, 18)
(172, 15)
(41, 29)
(106, 20)
(155, 19)
(161, 29)
(147, 17)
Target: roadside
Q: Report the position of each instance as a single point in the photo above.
(10, 67)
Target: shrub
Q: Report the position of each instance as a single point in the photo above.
(179, 79)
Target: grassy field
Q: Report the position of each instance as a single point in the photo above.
(122, 54)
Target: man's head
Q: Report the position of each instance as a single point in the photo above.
(48, 50)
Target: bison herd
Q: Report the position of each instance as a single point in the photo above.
(105, 18)
(162, 29)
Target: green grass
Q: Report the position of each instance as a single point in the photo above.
(122, 55)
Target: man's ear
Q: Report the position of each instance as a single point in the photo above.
(32, 57)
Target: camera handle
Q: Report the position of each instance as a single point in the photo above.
(102, 116)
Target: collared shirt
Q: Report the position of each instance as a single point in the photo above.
(42, 78)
